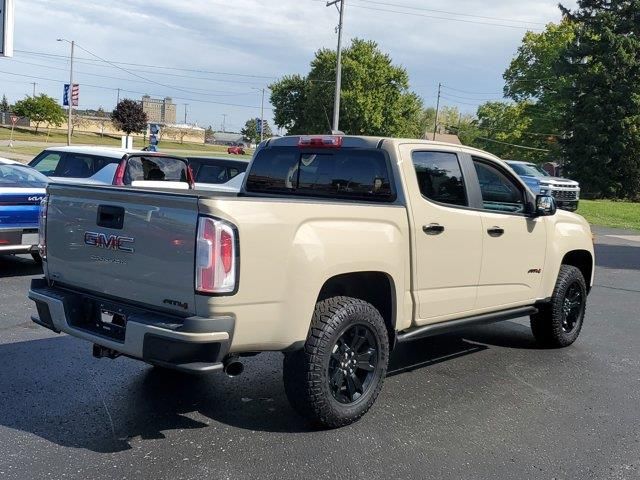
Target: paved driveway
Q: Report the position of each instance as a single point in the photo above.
(485, 403)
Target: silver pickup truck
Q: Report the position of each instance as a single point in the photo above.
(335, 250)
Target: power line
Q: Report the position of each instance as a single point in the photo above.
(93, 63)
(128, 71)
(449, 13)
(151, 66)
(471, 93)
(445, 18)
(193, 90)
(136, 92)
(513, 144)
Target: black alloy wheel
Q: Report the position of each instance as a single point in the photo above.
(572, 308)
(352, 364)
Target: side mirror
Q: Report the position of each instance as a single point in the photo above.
(545, 206)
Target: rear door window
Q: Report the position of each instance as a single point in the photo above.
(440, 177)
(344, 173)
(159, 169)
(77, 165)
(47, 162)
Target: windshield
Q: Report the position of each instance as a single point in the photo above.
(21, 176)
(529, 170)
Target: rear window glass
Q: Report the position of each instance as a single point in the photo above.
(344, 173)
(71, 165)
(21, 176)
(158, 169)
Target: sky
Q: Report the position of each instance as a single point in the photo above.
(217, 56)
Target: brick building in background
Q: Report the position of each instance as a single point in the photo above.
(159, 110)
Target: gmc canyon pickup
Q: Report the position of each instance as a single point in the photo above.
(336, 249)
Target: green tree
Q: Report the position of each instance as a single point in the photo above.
(602, 91)
(505, 129)
(375, 98)
(129, 117)
(4, 105)
(40, 109)
(532, 80)
(251, 130)
(209, 134)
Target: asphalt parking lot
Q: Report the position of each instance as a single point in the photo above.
(484, 403)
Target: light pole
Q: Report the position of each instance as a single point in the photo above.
(70, 92)
(261, 112)
(336, 106)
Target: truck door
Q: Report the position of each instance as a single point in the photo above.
(446, 233)
(514, 244)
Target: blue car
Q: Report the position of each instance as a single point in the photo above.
(21, 190)
(566, 192)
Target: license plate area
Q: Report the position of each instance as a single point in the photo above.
(99, 318)
(111, 323)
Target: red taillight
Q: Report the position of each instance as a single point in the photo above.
(215, 256)
(42, 228)
(322, 141)
(191, 179)
(118, 179)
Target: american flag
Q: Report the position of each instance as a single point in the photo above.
(75, 95)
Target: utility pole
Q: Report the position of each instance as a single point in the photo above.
(262, 118)
(185, 112)
(336, 106)
(34, 88)
(224, 122)
(118, 100)
(435, 129)
(70, 92)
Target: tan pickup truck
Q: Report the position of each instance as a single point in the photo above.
(335, 250)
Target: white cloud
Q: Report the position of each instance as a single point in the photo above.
(259, 38)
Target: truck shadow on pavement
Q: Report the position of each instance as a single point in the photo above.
(18, 266)
(620, 257)
(54, 389)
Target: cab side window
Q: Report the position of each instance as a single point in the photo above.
(499, 192)
(440, 177)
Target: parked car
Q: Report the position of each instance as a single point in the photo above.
(336, 250)
(218, 174)
(566, 192)
(7, 161)
(112, 166)
(216, 171)
(236, 150)
(21, 192)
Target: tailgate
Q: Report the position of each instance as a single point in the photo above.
(138, 246)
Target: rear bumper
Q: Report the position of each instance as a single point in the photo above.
(11, 240)
(194, 344)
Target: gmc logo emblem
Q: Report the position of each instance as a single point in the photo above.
(109, 242)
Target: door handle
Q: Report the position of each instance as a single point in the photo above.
(433, 229)
(495, 231)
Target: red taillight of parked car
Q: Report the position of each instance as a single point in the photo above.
(118, 178)
(216, 256)
(42, 228)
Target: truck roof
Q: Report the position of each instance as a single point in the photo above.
(355, 141)
(111, 152)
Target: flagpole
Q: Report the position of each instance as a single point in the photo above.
(70, 91)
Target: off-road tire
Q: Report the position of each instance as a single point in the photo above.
(307, 379)
(549, 325)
